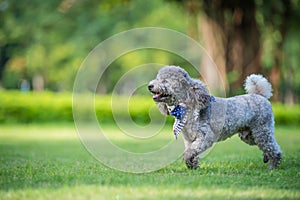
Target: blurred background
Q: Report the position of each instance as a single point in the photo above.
(43, 43)
(42, 46)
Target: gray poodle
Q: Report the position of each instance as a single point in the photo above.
(204, 120)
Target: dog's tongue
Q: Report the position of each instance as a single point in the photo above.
(155, 96)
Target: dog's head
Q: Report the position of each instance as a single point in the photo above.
(173, 86)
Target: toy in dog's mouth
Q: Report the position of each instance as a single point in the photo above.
(160, 97)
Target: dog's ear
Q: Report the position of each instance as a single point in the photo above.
(163, 108)
(201, 94)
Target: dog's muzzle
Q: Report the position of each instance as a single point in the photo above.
(158, 95)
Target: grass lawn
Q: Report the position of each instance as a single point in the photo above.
(49, 162)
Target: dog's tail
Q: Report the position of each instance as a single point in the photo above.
(257, 84)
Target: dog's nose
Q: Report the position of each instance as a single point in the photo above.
(150, 87)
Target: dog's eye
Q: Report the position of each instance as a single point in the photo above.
(165, 81)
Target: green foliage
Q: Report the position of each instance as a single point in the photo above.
(285, 114)
(49, 162)
(45, 107)
(17, 107)
(54, 37)
(50, 39)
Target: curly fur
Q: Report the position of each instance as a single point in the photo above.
(208, 121)
(257, 84)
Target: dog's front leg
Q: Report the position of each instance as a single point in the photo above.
(198, 146)
(191, 157)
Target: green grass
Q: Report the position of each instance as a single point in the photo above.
(49, 162)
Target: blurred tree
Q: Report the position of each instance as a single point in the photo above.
(241, 35)
(230, 34)
(48, 40)
(52, 38)
(25, 29)
(275, 18)
(279, 25)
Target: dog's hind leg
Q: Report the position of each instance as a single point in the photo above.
(265, 140)
(247, 137)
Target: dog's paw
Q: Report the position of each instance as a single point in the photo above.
(191, 164)
(191, 159)
(275, 161)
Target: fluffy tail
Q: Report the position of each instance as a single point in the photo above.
(257, 84)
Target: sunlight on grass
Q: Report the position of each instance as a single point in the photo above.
(38, 132)
(151, 192)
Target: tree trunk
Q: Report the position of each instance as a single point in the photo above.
(4, 57)
(230, 31)
(212, 67)
(213, 41)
